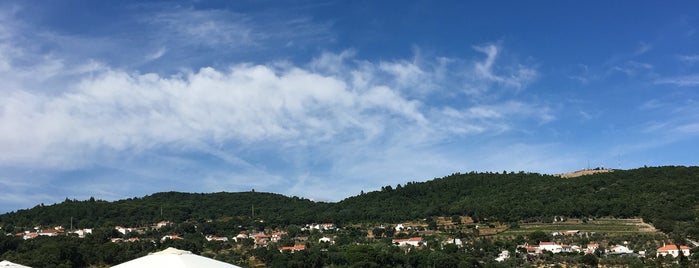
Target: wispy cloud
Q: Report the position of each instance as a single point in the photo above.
(632, 68)
(681, 81)
(223, 29)
(213, 28)
(156, 55)
(642, 48)
(689, 58)
(517, 77)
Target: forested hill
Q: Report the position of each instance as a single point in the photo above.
(666, 196)
(171, 206)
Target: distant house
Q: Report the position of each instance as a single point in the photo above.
(277, 236)
(567, 248)
(48, 232)
(413, 241)
(326, 240)
(261, 239)
(399, 227)
(28, 235)
(672, 250)
(504, 255)
(216, 238)
(124, 230)
(571, 232)
(455, 241)
(532, 250)
(293, 248)
(171, 237)
(591, 248)
(162, 224)
(82, 232)
(550, 246)
(120, 240)
(619, 249)
(240, 237)
(320, 227)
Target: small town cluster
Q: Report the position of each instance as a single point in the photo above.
(130, 234)
(401, 235)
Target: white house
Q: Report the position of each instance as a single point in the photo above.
(591, 248)
(82, 232)
(124, 230)
(672, 250)
(240, 237)
(171, 237)
(320, 227)
(162, 224)
(413, 241)
(48, 232)
(619, 249)
(327, 240)
(29, 235)
(455, 241)
(550, 246)
(216, 238)
(504, 255)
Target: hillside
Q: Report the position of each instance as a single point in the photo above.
(173, 206)
(584, 172)
(665, 196)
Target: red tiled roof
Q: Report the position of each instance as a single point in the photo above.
(418, 239)
(671, 247)
(294, 247)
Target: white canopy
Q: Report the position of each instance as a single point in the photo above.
(174, 258)
(7, 264)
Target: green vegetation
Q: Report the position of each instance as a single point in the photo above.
(509, 208)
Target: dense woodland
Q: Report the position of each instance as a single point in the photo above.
(667, 197)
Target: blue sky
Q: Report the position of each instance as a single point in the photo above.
(324, 99)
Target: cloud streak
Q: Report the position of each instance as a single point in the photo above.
(681, 81)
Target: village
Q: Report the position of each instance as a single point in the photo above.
(407, 236)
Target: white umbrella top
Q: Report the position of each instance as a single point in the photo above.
(7, 264)
(174, 258)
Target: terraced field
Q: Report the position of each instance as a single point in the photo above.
(606, 226)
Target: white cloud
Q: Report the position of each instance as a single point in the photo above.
(514, 76)
(642, 48)
(689, 58)
(120, 111)
(332, 63)
(214, 28)
(156, 55)
(58, 115)
(632, 68)
(681, 81)
(229, 31)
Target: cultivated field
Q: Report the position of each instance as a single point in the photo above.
(606, 226)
